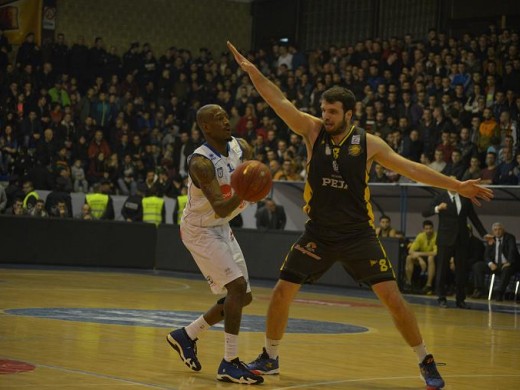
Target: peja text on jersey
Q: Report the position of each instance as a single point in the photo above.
(334, 183)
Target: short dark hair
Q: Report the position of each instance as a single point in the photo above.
(384, 216)
(340, 94)
(427, 222)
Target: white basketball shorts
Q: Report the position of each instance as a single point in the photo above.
(217, 254)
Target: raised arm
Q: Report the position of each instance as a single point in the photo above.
(202, 173)
(301, 123)
(379, 151)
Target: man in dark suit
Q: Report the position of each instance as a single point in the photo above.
(453, 241)
(501, 257)
(270, 216)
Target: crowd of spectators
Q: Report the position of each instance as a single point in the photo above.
(84, 114)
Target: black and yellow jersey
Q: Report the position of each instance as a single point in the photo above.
(336, 192)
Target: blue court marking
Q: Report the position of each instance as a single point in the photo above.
(176, 319)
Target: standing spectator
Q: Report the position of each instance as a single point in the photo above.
(270, 216)
(100, 201)
(132, 210)
(154, 210)
(453, 241)
(31, 196)
(501, 257)
(28, 53)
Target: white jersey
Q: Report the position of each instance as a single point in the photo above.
(198, 210)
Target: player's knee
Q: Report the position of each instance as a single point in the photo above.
(237, 287)
(283, 292)
(248, 299)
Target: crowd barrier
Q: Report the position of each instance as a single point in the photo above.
(38, 241)
(402, 202)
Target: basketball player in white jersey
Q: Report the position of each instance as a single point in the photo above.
(206, 233)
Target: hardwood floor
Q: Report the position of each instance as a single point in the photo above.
(84, 329)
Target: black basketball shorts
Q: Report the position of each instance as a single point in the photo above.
(359, 251)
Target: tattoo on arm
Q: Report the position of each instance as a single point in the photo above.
(202, 172)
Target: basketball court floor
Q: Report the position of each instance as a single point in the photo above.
(72, 328)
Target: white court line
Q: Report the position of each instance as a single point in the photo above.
(319, 384)
(93, 374)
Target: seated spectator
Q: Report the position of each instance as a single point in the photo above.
(61, 210)
(456, 167)
(270, 216)
(378, 174)
(86, 213)
(488, 129)
(79, 180)
(516, 170)
(501, 257)
(488, 173)
(385, 228)
(422, 252)
(438, 163)
(61, 194)
(39, 209)
(3, 199)
(16, 208)
(474, 171)
(289, 171)
(505, 170)
(276, 169)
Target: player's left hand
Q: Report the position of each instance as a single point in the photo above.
(473, 190)
(242, 61)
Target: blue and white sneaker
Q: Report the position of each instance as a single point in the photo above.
(264, 365)
(236, 371)
(186, 348)
(430, 374)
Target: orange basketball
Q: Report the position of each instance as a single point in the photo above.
(252, 180)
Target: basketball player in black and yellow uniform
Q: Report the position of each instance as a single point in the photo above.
(341, 223)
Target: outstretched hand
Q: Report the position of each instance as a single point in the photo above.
(242, 61)
(473, 190)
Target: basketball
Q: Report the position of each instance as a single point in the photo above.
(251, 180)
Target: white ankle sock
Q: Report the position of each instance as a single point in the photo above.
(420, 351)
(196, 327)
(230, 346)
(271, 347)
